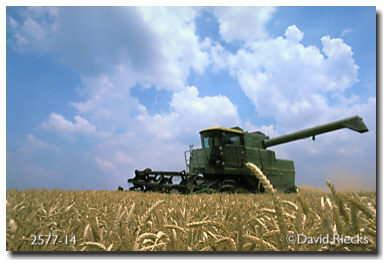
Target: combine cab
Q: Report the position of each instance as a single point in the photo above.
(219, 166)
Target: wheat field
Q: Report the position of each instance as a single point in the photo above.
(55, 220)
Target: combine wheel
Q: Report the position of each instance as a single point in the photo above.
(228, 185)
(205, 190)
(241, 190)
(174, 191)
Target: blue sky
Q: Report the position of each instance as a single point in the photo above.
(95, 93)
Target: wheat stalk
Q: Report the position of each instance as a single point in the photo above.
(261, 177)
(202, 223)
(96, 244)
(279, 211)
(106, 221)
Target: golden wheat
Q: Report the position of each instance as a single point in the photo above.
(137, 221)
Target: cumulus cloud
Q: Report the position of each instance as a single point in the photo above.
(243, 23)
(191, 113)
(289, 81)
(269, 130)
(114, 49)
(303, 86)
(293, 34)
(108, 102)
(59, 123)
(157, 46)
(159, 141)
(40, 144)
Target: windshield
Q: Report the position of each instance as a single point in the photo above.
(216, 142)
(231, 138)
(220, 138)
(210, 141)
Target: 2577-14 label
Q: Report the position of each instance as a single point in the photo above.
(52, 239)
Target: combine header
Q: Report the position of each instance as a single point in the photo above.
(219, 166)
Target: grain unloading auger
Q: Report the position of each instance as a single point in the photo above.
(219, 166)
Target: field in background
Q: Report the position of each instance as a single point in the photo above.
(137, 221)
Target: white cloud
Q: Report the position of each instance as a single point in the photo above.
(243, 23)
(138, 139)
(40, 144)
(303, 86)
(155, 46)
(108, 103)
(191, 113)
(31, 34)
(159, 141)
(59, 123)
(116, 163)
(12, 22)
(345, 32)
(180, 47)
(24, 168)
(293, 34)
(33, 144)
(267, 130)
(104, 164)
(116, 48)
(289, 81)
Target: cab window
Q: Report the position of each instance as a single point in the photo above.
(211, 141)
(206, 142)
(235, 140)
(231, 138)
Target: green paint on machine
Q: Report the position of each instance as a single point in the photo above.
(219, 166)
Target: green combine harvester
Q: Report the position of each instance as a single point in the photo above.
(219, 166)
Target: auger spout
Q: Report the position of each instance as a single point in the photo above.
(354, 123)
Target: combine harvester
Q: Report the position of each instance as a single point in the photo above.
(219, 166)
